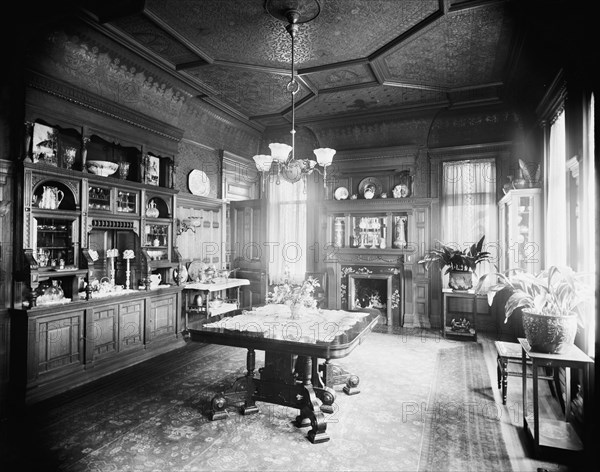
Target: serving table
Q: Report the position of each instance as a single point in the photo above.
(292, 375)
(208, 290)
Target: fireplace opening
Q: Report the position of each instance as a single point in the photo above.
(373, 291)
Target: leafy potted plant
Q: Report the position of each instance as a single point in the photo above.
(461, 263)
(550, 301)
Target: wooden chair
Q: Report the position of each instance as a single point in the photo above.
(509, 354)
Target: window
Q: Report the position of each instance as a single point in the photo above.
(469, 204)
(556, 199)
(286, 232)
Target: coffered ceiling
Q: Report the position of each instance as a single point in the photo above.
(357, 58)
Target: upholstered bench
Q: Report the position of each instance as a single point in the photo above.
(509, 354)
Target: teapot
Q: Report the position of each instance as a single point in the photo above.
(51, 198)
(155, 280)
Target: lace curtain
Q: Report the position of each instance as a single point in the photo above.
(469, 208)
(556, 201)
(286, 232)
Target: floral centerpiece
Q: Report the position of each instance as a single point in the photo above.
(297, 297)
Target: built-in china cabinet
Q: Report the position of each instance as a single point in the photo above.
(520, 230)
(96, 284)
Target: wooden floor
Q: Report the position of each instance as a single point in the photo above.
(518, 443)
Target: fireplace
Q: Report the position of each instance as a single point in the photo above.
(383, 291)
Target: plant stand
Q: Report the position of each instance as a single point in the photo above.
(553, 433)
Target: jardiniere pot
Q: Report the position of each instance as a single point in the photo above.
(460, 279)
(549, 333)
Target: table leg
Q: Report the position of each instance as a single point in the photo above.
(323, 392)
(524, 382)
(244, 387)
(503, 370)
(536, 419)
(310, 413)
(249, 404)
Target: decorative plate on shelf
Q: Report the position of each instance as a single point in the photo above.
(341, 193)
(195, 270)
(180, 274)
(198, 183)
(370, 181)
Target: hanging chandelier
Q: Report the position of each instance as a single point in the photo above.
(295, 13)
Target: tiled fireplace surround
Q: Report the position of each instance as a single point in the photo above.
(357, 276)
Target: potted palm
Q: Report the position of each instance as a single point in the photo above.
(461, 263)
(551, 303)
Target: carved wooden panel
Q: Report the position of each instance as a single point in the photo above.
(57, 346)
(131, 325)
(103, 331)
(161, 317)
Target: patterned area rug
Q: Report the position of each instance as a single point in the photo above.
(152, 417)
(462, 430)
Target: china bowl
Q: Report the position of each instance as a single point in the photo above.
(155, 255)
(102, 168)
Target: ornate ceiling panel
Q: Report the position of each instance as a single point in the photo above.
(351, 74)
(357, 56)
(157, 40)
(462, 50)
(242, 31)
(254, 92)
(366, 99)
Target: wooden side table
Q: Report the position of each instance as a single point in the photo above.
(460, 304)
(546, 432)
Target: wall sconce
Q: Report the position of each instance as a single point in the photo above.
(186, 224)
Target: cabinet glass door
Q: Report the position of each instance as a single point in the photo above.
(99, 198)
(157, 235)
(53, 245)
(127, 201)
(367, 231)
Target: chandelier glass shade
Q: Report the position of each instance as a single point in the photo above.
(295, 12)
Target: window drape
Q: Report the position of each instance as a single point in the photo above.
(468, 207)
(286, 232)
(556, 201)
(587, 221)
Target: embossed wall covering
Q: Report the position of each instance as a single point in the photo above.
(85, 62)
(86, 59)
(381, 132)
(204, 124)
(192, 156)
(452, 128)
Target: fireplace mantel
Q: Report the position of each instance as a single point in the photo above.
(347, 251)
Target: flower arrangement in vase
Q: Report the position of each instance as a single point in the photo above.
(297, 296)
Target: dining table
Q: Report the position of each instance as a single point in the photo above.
(297, 370)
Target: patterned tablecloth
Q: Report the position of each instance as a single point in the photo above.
(275, 322)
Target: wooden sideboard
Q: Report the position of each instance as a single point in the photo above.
(57, 347)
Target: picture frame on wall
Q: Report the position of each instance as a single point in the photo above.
(44, 145)
(152, 170)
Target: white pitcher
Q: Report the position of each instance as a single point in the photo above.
(155, 280)
(51, 198)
